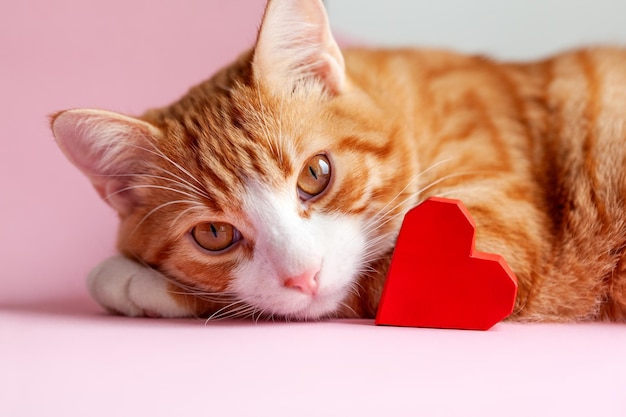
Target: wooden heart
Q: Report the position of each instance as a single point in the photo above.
(437, 279)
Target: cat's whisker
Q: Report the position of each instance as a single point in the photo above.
(240, 313)
(195, 291)
(434, 165)
(225, 310)
(420, 191)
(353, 291)
(349, 308)
(176, 180)
(159, 187)
(189, 185)
(425, 188)
(367, 268)
(371, 253)
(158, 152)
(410, 183)
(251, 314)
(371, 249)
(450, 176)
(218, 297)
(369, 227)
(261, 313)
(375, 224)
(382, 213)
(371, 257)
(157, 208)
(187, 210)
(459, 190)
(374, 241)
(237, 309)
(235, 316)
(358, 285)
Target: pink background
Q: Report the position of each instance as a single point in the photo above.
(60, 355)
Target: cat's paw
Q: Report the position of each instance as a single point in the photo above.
(127, 287)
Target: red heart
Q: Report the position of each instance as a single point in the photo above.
(436, 279)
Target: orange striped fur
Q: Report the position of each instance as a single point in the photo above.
(536, 151)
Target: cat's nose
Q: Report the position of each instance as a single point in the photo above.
(306, 283)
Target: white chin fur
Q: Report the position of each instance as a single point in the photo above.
(287, 245)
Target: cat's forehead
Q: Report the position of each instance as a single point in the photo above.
(228, 138)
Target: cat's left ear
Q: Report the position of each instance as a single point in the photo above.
(295, 45)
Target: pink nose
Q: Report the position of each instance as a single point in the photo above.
(306, 283)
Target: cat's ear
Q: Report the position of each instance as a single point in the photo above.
(295, 44)
(107, 147)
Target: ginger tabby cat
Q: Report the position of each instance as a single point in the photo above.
(277, 187)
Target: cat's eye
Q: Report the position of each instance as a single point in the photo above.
(215, 236)
(314, 177)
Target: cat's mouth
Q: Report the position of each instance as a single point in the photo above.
(296, 305)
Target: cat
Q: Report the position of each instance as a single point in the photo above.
(276, 189)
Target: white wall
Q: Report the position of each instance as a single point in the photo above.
(513, 29)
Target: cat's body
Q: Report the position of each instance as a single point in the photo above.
(295, 165)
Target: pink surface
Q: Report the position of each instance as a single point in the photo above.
(89, 365)
(59, 355)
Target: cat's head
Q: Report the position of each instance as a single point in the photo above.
(278, 181)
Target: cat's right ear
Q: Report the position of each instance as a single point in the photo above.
(107, 147)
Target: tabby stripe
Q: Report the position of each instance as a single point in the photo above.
(220, 186)
(589, 146)
(520, 111)
(352, 143)
(555, 199)
(503, 157)
(351, 191)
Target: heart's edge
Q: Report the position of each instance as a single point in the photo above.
(380, 320)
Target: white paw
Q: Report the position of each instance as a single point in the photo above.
(127, 287)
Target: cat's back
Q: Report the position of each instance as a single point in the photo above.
(574, 101)
(549, 139)
(370, 67)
